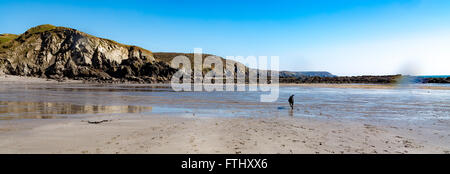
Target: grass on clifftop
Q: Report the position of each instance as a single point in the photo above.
(40, 28)
(7, 37)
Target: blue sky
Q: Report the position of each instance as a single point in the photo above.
(343, 37)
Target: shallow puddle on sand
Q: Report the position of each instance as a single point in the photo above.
(49, 110)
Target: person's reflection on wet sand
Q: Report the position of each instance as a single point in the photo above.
(291, 112)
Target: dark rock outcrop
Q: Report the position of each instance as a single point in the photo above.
(288, 74)
(345, 79)
(436, 80)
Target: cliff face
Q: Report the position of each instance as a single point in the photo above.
(58, 52)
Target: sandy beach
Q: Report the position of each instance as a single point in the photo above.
(172, 134)
(225, 77)
(4, 78)
(183, 133)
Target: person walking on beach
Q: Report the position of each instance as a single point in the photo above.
(291, 101)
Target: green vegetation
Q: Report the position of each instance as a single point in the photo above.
(7, 37)
(6, 40)
(40, 28)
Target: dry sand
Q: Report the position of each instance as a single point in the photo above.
(177, 134)
(24, 79)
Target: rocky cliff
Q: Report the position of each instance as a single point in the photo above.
(59, 52)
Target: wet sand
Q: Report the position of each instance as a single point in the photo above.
(177, 134)
(183, 133)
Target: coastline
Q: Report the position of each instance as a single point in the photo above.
(363, 86)
(25, 79)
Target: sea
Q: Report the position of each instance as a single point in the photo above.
(62, 101)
